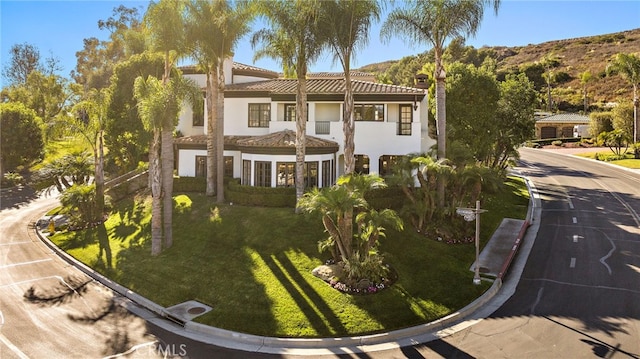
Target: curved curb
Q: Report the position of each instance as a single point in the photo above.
(253, 343)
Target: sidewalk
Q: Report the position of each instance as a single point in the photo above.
(498, 255)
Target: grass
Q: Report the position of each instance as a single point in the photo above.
(59, 148)
(253, 266)
(628, 161)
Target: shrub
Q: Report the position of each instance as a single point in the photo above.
(189, 184)
(557, 143)
(260, 196)
(389, 197)
(11, 179)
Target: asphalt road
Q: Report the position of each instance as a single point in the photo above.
(579, 294)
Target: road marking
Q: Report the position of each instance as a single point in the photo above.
(573, 262)
(535, 304)
(575, 238)
(570, 204)
(12, 347)
(603, 260)
(12, 243)
(25, 263)
(575, 220)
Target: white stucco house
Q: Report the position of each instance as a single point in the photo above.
(259, 125)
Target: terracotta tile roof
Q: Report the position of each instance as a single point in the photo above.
(237, 67)
(286, 138)
(340, 75)
(281, 139)
(322, 86)
(564, 118)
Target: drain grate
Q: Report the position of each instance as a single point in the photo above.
(186, 311)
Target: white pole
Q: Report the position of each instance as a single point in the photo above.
(476, 277)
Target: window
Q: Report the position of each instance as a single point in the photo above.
(286, 174)
(228, 166)
(201, 166)
(406, 118)
(197, 118)
(259, 114)
(367, 112)
(310, 174)
(290, 112)
(386, 162)
(262, 174)
(327, 173)
(246, 173)
(362, 164)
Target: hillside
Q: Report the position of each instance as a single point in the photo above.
(572, 57)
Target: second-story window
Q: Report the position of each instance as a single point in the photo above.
(259, 114)
(406, 119)
(368, 112)
(290, 112)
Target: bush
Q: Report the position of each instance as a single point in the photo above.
(260, 196)
(11, 179)
(557, 143)
(389, 197)
(189, 184)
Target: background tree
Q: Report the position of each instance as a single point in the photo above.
(622, 118)
(600, 122)
(213, 30)
(23, 60)
(347, 24)
(19, 126)
(514, 119)
(628, 66)
(97, 59)
(585, 79)
(472, 98)
(125, 134)
(296, 39)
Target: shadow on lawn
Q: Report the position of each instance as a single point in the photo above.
(283, 269)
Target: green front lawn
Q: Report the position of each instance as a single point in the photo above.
(253, 266)
(628, 161)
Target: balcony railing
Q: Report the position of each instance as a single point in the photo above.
(323, 127)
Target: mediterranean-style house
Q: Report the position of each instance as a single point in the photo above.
(259, 126)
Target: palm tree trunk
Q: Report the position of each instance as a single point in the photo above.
(219, 134)
(156, 194)
(441, 119)
(99, 174)
(211, 131)
(167, 185)
(301, 129)
(348, 126)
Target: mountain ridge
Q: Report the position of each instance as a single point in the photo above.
(572, 56)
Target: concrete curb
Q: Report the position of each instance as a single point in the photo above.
(253, 343)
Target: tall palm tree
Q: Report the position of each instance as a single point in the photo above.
(165, 22)
(347, 24)
(295, 38)
(585, 79)
(628, 66)
(434, 22)
(90, 123)
(160, 103)
(214, 28)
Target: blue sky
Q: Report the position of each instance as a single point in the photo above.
(58, 27)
